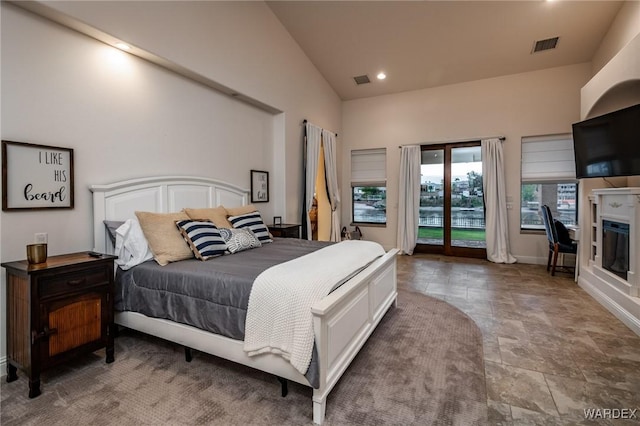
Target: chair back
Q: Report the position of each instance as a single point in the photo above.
(549, 226)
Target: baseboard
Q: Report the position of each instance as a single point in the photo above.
(628, 318)
(3, 366)
(531, 260)
(535, 260)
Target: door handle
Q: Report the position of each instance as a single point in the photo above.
(46, 332)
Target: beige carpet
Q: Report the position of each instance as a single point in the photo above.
(423, 366)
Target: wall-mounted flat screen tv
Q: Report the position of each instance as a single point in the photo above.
(608, 145)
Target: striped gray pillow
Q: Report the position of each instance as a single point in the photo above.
(203, 238)
(254, 222)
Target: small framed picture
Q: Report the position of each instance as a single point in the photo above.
(277, 220)
(259, 186)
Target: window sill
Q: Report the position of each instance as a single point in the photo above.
(532, 232)
(370, 225)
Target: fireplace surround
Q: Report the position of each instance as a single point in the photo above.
(617, 238)
(611, 271)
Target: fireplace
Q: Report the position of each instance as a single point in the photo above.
(617, 239)
(615, 248)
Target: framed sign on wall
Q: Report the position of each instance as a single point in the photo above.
(36, 176)
(259, 186)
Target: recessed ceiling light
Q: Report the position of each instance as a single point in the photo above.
(381, 76)
(123, 46)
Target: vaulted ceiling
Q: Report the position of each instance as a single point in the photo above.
(421, 44)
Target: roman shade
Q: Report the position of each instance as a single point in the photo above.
(369, 167)
(548, 158)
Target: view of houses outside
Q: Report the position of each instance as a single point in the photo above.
(560, 197)
(369, 204)
(467, 206)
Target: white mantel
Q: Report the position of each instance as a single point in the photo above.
(621, 297)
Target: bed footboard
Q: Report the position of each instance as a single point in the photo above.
(344, 320)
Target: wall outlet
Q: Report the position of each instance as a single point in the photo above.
(41, 237)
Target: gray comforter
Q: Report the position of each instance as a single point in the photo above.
(211, 295)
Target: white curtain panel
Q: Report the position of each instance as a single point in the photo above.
(495, 198)
(409, 199)
(331, 173)
(313, 155)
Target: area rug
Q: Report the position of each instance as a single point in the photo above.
(423, 365)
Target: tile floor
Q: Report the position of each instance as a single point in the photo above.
(550, 350)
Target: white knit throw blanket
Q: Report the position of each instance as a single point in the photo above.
(279, 318)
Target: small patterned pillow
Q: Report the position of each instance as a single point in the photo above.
(252, 221)
(239, 239)
(203, 237)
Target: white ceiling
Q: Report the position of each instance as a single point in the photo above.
(421, 44)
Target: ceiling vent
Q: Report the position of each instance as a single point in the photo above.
(362, 79)
(547, 44)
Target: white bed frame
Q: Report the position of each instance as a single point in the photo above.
(342, 322)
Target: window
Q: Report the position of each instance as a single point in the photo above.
(548, 177)
(369, 186)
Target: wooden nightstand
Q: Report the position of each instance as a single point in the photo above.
(285, 230)
(57, 310)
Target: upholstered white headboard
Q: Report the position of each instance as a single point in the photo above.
(119, 201)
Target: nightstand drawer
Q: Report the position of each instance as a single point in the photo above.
(65, 282)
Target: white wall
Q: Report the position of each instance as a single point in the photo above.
(536, 103)
(125, 117)
(623, 29)
(241, 45)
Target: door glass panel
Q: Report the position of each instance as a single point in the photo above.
(467, 206)
(431, 230)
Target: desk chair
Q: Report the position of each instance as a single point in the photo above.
(558, 236)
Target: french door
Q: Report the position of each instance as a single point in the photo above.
(451, 200)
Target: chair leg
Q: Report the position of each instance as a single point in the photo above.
(555, 260)
(549, 260)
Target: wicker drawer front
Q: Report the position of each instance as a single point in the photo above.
(66, 282)
(76, 324)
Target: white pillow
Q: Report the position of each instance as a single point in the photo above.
(131, 246)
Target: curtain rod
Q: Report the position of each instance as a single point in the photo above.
(305, 122)
(502, 138)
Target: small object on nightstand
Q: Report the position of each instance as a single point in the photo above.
(57, 310)
(94, 254)
(285, 230)
(36, 253)
(277, 220)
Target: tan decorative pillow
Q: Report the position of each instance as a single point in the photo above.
(237, 211)
(164, 237)
(217, 215)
